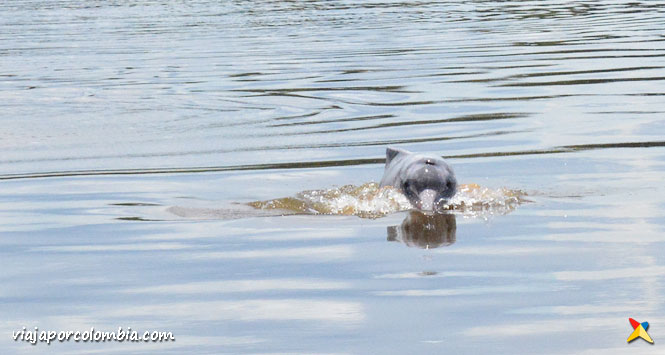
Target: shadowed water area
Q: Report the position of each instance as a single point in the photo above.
(211, 169)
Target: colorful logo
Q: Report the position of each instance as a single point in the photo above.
(640, 331)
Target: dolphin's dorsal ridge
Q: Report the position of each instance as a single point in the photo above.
(391, 153)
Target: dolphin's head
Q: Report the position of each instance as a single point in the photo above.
(428, 182)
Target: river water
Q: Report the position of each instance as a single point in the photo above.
(135, 134)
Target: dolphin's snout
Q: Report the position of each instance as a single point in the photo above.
(428, 200)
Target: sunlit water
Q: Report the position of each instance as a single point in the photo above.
(137, 135)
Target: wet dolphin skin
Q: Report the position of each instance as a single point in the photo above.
(427, 181)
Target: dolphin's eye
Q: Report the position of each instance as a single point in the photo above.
(408, 188)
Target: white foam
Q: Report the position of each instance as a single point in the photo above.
(370, 201)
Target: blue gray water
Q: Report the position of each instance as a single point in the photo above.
(116, 112)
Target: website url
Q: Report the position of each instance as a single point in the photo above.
(48, 336)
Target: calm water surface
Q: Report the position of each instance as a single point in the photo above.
(116, 112)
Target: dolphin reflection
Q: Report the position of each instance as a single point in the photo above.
(425, 230)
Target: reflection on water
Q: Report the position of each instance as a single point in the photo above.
(418, 229)
(425, 231)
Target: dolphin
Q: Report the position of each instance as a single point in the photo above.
(427, 181)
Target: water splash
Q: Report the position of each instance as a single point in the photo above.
(472, 200)
(371, 201)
